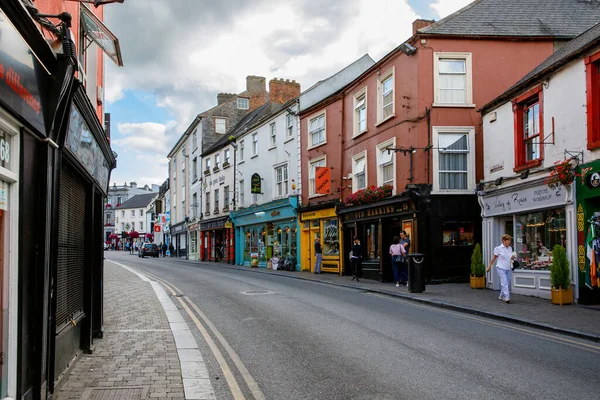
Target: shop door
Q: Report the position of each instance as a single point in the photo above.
(505, 227)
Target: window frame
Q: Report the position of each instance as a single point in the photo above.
(226, 156)
(390, 73)
(362, 93)
(380, 149)
(195, 168)
(273, 134)
(311, 181)
(208, 164)
(238, 103)
(284, 181)
(241, 150)
(218, 160)
(255, 144)
(216, 120)
(207, 203)
(592, 72)
(535, 95)
(242, 197)
(471, 176)
(226, 198)
(290, 125)
(468, 58)
(355, 160)
(322, 113)
(216, 201)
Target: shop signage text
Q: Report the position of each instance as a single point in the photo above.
(219, 223)
(376, 211)
(523, 200)
(322, 180)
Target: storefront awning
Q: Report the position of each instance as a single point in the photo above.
(96, 31)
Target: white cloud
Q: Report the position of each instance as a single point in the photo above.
(446, 7)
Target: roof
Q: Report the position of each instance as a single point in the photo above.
(139, 201)
(184, 136)
(522, 18)
(574, 49)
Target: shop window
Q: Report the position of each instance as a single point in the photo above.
(331, 239)
(293, 241)
(370, 244)
(306, 225)
(247, 245)
(458, 233)
(536, 235)
(315, 223)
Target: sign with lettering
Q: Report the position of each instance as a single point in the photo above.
(214, 224)
(255, 184)
(593, 180)
(521, 200)
(23, 79)
(375, 212)
(157, 228)
(322, 180)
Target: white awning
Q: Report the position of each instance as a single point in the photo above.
(96, 31)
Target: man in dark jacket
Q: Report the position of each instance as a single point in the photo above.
(171, 249)
(319, 256)
(164, 249)
(357, 255)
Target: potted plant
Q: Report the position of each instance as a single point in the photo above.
(560, 277)
(254, 262)
(562, 174)
(207, 172)
(477, 269)
(225, 164)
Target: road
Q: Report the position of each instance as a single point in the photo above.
(299, 339)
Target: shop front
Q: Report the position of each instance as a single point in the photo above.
(179, 235)
(217, 241)
(588, 232)
(324, 225)
(267, 231)
(194, 234)
(538, 218)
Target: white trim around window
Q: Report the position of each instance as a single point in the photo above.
(318, 123)
(312, 164)
(386, 164)
(360, 113)
(281, 179)
(360, 171)
(453, 79)
(386, 93)
(453, 159)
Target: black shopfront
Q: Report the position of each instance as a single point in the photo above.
(64, 163)
(443, 227)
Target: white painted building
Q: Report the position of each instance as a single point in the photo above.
(133, 215)
(540, 121)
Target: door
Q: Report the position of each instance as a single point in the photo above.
(505, 226)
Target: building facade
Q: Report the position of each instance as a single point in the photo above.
(117, 195)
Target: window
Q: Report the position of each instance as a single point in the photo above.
(359, 171)
(108, 219)
(122, 214)
(529, 129)
(183, 207)
(243, 103)
(454, 159)
(226, 197)
(194, 204)
(273, 130)
(122, 226)
(195, 139)
(385, 100)
(316, 130)
(458, 233)
(536, 234)
(141, 212)
(592, 69)
(290, 125)
(386, 169)
(133, 226)
(208, 163)
(183, 158)
(452, 79)
(141, 226)
(216, 200)
(254, 144)
(133, 213)
(360, 112)
(195, 168)
(207, 209)
(311, 174)
(331, 238)
(241, 193)
(370, 243)
(241, 150)
(281, 179)
(220, 125)
(217, 160)
(119, 200)
(226, 158)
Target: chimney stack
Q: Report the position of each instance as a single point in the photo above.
(225, 97)
(256, 84)
(420, 24)
(133, 185)
(281, 91)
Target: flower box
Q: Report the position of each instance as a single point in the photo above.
(562, 296)
(215, 169)
(477, 282)
(225, 164)
(207, 172)
(369, 195)
(562, 174)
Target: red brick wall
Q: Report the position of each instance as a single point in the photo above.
(281, 91)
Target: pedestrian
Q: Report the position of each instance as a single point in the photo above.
(357, 255)
(503, 255)
(398, 253)
(164, 249)
(318, 256)
(218, 254)
(405, 243)
(171, 249)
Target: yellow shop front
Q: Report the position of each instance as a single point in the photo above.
(322, 224)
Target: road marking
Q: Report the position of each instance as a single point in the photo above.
(569, 342)
(257, 292)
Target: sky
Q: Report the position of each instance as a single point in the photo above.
(179, 54)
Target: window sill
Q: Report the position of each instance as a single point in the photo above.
(272, 148)
(289, 139)
(359, 134)
(241, 162)
(317, 145)
(312, 196)
(387, 118)
(593, 145)
(460, 192)
(226, 166)
(527, 165)
(254, 156)
(465, 105)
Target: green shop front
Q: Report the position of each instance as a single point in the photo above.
(588, 232)
(266, 231)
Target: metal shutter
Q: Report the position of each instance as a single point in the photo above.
(71, 246)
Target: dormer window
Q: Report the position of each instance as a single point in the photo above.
(243, 103)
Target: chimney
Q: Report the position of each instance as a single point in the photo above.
(225, 97)
(133, 185)
(281, 91)
(256, 84)
(420, 24)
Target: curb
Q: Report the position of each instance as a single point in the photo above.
(436, 303)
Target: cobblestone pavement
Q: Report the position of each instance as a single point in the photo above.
(137, 354)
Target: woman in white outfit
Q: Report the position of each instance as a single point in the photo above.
(503, 254)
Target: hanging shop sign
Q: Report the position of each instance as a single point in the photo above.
(157, 228)
(322, 180)
(593, 180)
(523, 199)
(255, 184)
(23, 79)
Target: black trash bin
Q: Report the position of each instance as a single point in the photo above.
(416, 272)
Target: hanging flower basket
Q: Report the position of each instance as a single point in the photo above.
(562, 174)
(369, 195)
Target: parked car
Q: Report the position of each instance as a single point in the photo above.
(149, 249)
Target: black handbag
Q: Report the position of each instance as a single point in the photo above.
(515, 265)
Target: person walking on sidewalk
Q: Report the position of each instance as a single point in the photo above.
(398, 253)
(164, 249)
(318, 256)
(503, 254)
(357, 255)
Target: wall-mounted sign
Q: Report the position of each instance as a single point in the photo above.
(593, 180)
(522, 199)
(378, 211)
(228, 225)
(322, 180)
(157, 228)
(255, 184)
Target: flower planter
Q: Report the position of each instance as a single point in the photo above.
(207, 172)
(477, 282)
(562, 296)
(254, 262)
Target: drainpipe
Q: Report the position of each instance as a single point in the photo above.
(428, 112)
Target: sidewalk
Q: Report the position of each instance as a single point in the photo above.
(573, 320)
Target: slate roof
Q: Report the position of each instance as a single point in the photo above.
(583, 43)
(563, 19)
(138, 201)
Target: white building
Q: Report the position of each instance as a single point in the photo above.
(132, 215)
(546, 118)
(117, 195)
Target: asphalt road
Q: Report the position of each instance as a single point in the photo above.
(307, 340)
